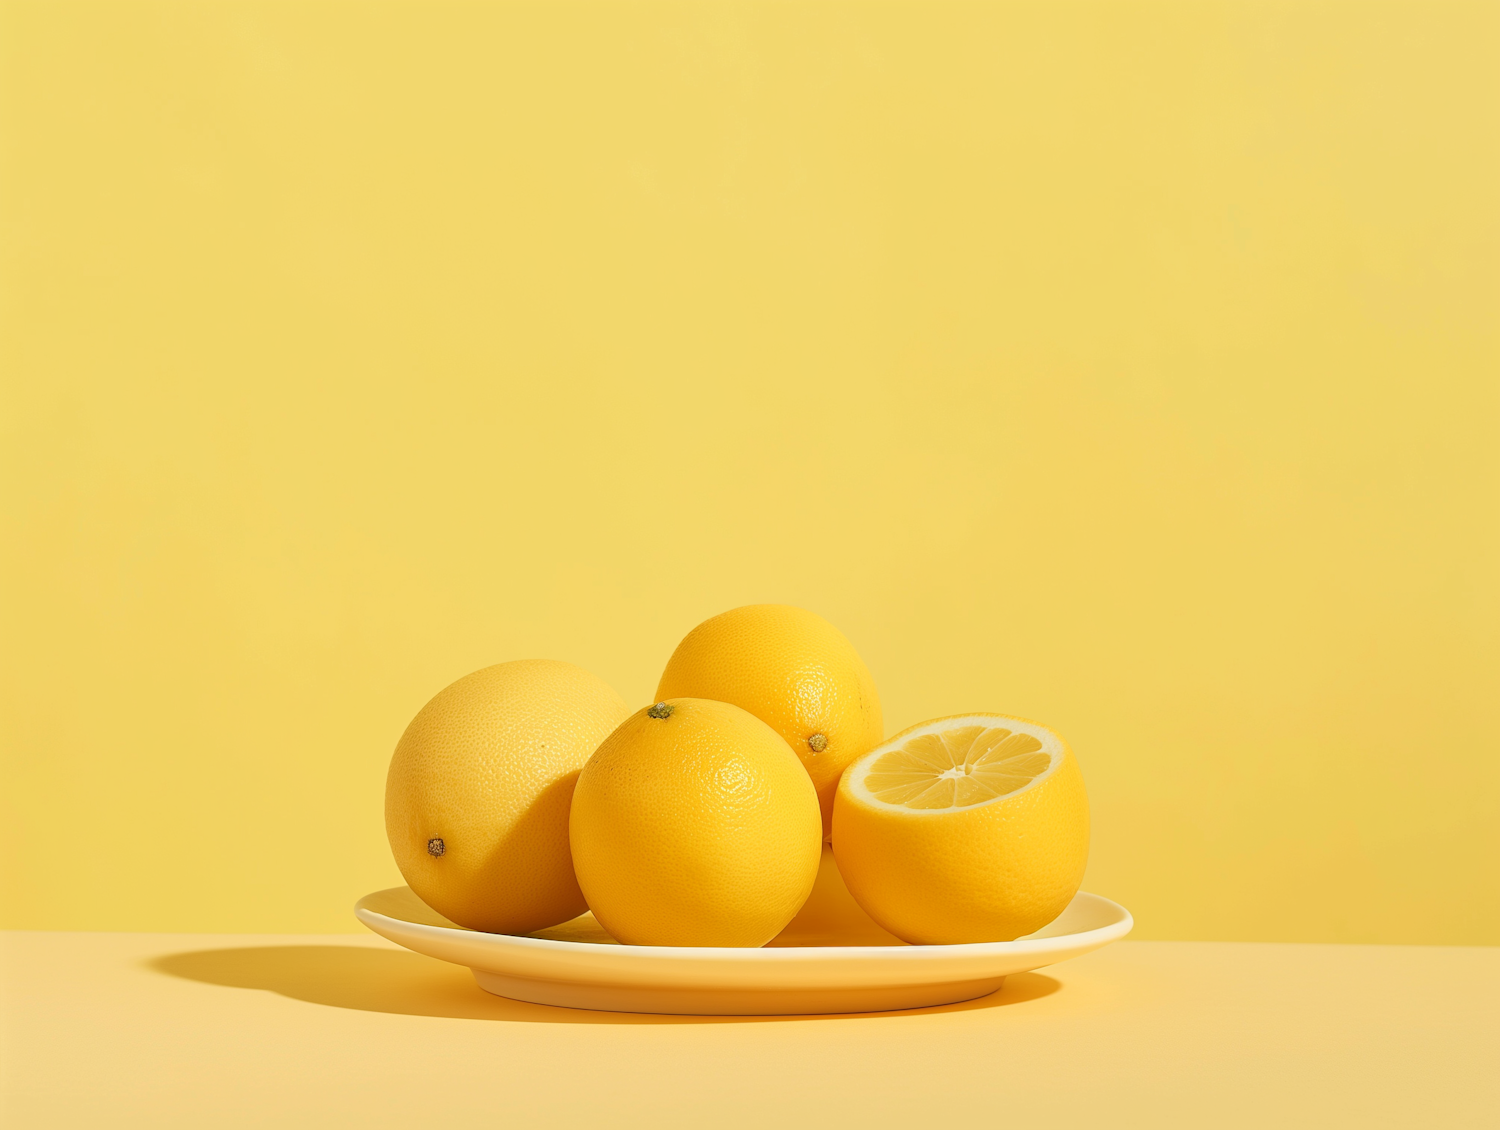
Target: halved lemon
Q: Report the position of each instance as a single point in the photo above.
(966, 829)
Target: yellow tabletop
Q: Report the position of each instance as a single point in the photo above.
(167, 1030)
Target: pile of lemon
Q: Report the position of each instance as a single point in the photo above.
(527, 793)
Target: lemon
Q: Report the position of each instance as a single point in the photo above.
(831, 917)
(476, 800)
(966, 829)
(794, 671)
(694, 825)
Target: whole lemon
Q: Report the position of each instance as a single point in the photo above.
(694, 825)
(794, 671)
(966, 829)
(476, 800)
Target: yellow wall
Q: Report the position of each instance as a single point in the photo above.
(1130, 366)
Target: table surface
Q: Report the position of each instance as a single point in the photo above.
(167, 1030)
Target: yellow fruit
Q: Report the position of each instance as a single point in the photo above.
(795, 672)
(966, 829)
(476, 800)
(694, 825)
(831, 917)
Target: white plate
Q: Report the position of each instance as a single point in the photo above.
(831, 958)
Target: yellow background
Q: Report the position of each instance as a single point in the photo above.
(1130, 366)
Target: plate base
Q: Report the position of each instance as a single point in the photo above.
(734, 1002)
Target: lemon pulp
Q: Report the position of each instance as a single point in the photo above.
(960, 766)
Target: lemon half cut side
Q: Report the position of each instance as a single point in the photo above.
(973, 828)
(958, 763)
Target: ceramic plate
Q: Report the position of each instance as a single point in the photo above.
(831, 958)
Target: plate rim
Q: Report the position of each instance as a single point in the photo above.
(1123, 924)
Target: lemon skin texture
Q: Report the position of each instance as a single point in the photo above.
(476, 800)
(699, 828)
(794, 671)
(989, 873)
